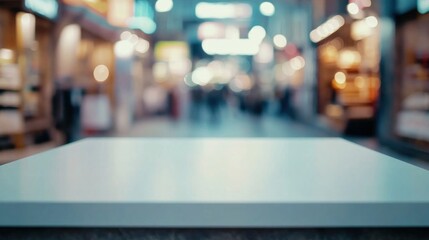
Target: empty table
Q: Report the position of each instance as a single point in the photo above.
(173, 184)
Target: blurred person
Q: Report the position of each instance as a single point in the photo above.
(66, 105)
(287, 102)
(173, 104)
(214, 99)
(155, 100)
(278, 94)
(242, 100)
(197, 98)
(256, 101)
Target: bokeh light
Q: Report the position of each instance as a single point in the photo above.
(164, 5)
(353, 8)
(267, 8)
(257, 33)
(279, 41)
(371, 21)
(101, 73)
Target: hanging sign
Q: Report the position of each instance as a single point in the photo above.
(423, 6)
(46, 8)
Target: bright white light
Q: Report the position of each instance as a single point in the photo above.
(125, 35)
(340, 78)
(221, 73)
(336, 21)
(242, 82)
(353, 8)
(267, 9)
(279, 41)
(230, 47)
(180, 66)
(123, 49)
(327, 28)
(265, 54)
(360, 30)
(133, 39)
(232, 32)
(371, 21)
(6, 54)
(297, 63)
(101, 73)
(348, 59)
(160, 71)
(211, 30)
(257, 33)
(164, 5)
(142, 46)
(202, 76)
(315, 37)
(27, 18)
(223, 10)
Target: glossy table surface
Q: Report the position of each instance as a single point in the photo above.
(266, 182)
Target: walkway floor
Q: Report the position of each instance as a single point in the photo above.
(229, 124)
(242, 125)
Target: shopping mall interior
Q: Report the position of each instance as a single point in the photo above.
(190, 70)
(74, 69)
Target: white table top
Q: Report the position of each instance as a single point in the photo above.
(323, 182)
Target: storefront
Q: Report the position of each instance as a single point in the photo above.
(348, 71)
(26, 60)
(102, 61)
(408, 123)
(85, 69)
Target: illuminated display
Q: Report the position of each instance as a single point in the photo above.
(223, 10)
(423, 6)
(47, 8)
(143, 17)
(168, 50)
(327, 28)
(119, 12)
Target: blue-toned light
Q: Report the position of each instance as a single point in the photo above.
(143, 17)
(423, 6)
(142, 8)
(145, 24)
(47, 8)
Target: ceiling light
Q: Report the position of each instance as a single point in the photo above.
(164, 5)
(267, 8)
(279, 41)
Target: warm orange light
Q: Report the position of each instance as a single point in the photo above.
(360, 82)
(349, 58)
(329, 54)
(6, 55)
(339, 81)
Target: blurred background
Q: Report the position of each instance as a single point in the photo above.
(357, 69)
